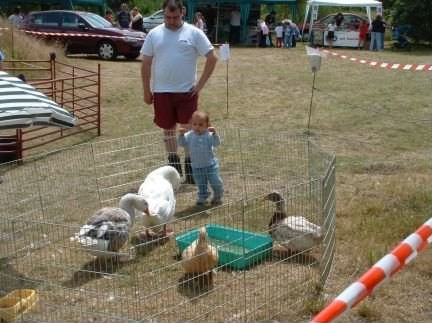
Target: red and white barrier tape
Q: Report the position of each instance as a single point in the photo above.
(389, 66)
(41, 33)
(385, 268)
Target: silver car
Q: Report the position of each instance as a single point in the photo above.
(153, 20)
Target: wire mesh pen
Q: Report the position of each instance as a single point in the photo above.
(46, 200)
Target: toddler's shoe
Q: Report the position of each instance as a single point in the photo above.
(200, 203)
(216, 201)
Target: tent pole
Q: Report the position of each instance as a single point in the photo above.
(304, 20)
(227, 87)
(217, 23)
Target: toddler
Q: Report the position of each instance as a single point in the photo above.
(279, 30)
(200, 142)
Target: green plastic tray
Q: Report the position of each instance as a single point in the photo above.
(229, 242)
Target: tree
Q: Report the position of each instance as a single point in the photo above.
(417, 14)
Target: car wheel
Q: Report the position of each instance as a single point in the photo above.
(107, 50)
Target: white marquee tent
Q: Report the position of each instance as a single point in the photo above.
(315, 4)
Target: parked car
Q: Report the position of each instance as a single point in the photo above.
(351, 21)
(84, 33)
(153, 20)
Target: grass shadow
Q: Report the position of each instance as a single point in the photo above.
(95, 269)
(144, 244)
(194, 285)
(196, 211)
(14, 279)
(288, 256)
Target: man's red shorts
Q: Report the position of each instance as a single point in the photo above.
(173, 108)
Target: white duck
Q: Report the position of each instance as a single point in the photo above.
(295, 233)
(107, 230)
(158, 190)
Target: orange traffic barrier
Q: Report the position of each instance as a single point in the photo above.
(385, 268)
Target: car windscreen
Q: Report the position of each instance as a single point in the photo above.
(96, 21)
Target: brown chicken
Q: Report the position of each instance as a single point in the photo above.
(200, 257)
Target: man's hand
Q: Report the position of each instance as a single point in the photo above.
(182, 131)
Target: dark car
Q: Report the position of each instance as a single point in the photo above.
(84, 33)
(351, 21)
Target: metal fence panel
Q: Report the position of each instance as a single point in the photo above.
(48, 198)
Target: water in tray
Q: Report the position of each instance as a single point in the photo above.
(223, 245)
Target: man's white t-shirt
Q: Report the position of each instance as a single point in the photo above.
(175, 54)
(331, 27)
(235, 18)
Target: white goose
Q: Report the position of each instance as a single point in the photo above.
(158, 190)
(295, 233)
(107, 230)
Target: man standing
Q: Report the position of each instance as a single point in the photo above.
(123, 16)
(270, 21)
(235, 24)
(170, 53)
(16, 18)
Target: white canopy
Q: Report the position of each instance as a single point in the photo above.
(346, 3)
(367, 4)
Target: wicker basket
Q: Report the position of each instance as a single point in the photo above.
(16, 303)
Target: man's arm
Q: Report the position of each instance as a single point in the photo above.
(211, 60)
(145, 76)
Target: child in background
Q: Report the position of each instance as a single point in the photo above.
(200, 142)
(363, 29)
(331, 33)
(279, 35)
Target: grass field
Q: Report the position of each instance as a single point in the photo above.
(378, 124)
